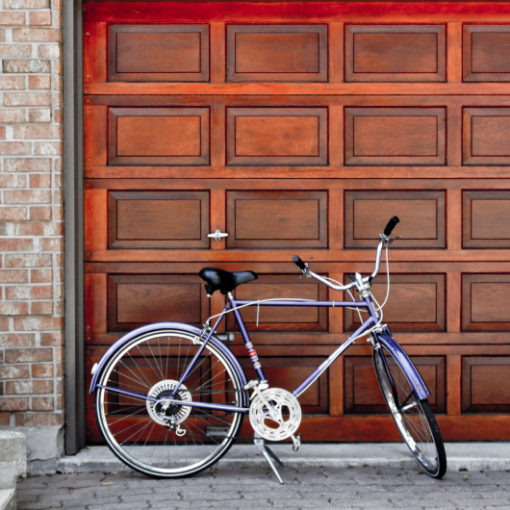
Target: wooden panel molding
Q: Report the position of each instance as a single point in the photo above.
(486, 384)
(158, 136)
(277, 136)
(395, 53)
(486, 219)
(277, 219)
(137, 299)
(289, 372)
(485, 299)
(485, 53)
(158, 219)
(486, 136)
(277, 53)
(422, 218)
(395, 136)
(172, 53)
(362, 393)
(417, 303)
(279, 318)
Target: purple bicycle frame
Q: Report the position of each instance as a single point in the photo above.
(371, 321)
(233, 305)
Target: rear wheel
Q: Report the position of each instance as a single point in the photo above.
(161, 440)
(413, 417)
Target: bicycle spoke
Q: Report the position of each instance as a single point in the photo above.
(137, 432)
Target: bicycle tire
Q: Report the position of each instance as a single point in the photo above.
(138, 431)
(413, 417)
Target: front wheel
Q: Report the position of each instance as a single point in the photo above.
(413, 417)
(157, 439)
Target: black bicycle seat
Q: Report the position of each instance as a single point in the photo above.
(225, 281)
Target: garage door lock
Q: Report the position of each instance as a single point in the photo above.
(217, 235)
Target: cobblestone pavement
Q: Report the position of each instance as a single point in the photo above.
(233, 487)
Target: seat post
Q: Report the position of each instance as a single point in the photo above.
(247, 341)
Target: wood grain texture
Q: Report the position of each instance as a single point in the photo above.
(395, 136)
(484, 302)
(173, 53)
(395, 53)
(417, 303)
(422, 215)
(282, 53)
(363, 393)
(486, 136)
(277, 136)
(290, 318)
(289, 372)
(158, 219)
(290, 219)
(134, 300)
(302, 127)
(158, 136)
(486, 384)
(486, 219)
(485, 53)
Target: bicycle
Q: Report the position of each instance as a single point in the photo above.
(170, 397)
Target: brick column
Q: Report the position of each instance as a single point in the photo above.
(31, 215)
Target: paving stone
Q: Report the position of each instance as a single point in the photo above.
(254, 487)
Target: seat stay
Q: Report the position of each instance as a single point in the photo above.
(199, 352)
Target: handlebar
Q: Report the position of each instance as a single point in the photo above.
(299, 263)
(385, 239)
(391, 225)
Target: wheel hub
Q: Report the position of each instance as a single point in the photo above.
(161, 411)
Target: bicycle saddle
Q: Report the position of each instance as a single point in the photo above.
(225, 281)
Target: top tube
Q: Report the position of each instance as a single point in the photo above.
(304, 302)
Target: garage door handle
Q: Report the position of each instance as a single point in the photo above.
(217, 235)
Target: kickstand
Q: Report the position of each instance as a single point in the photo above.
(269, 455)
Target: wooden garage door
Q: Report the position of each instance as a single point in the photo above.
(301, 128)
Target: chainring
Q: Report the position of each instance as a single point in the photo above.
(275, 414)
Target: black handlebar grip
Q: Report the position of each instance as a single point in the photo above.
(391, 225)
(299, 263)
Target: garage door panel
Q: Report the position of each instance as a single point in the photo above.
(289, 372)
(158, 219)
(486, 136)
(485, 299)
(291, 53)
(158, 136)
(363, 394)
(395, 53)
(417, 303)
(395, 136)
(485, 53)
(422, 215)
(134, 300)
(278, 318)
(277, 219)
(172, 53)
(277, 136)
(486, 219)
(479, 393)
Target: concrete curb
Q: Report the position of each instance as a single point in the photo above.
(13, 464)
(460, 456)
(7, 499)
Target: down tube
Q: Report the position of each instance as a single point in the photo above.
(327, 362)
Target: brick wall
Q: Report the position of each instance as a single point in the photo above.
(31, 213)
